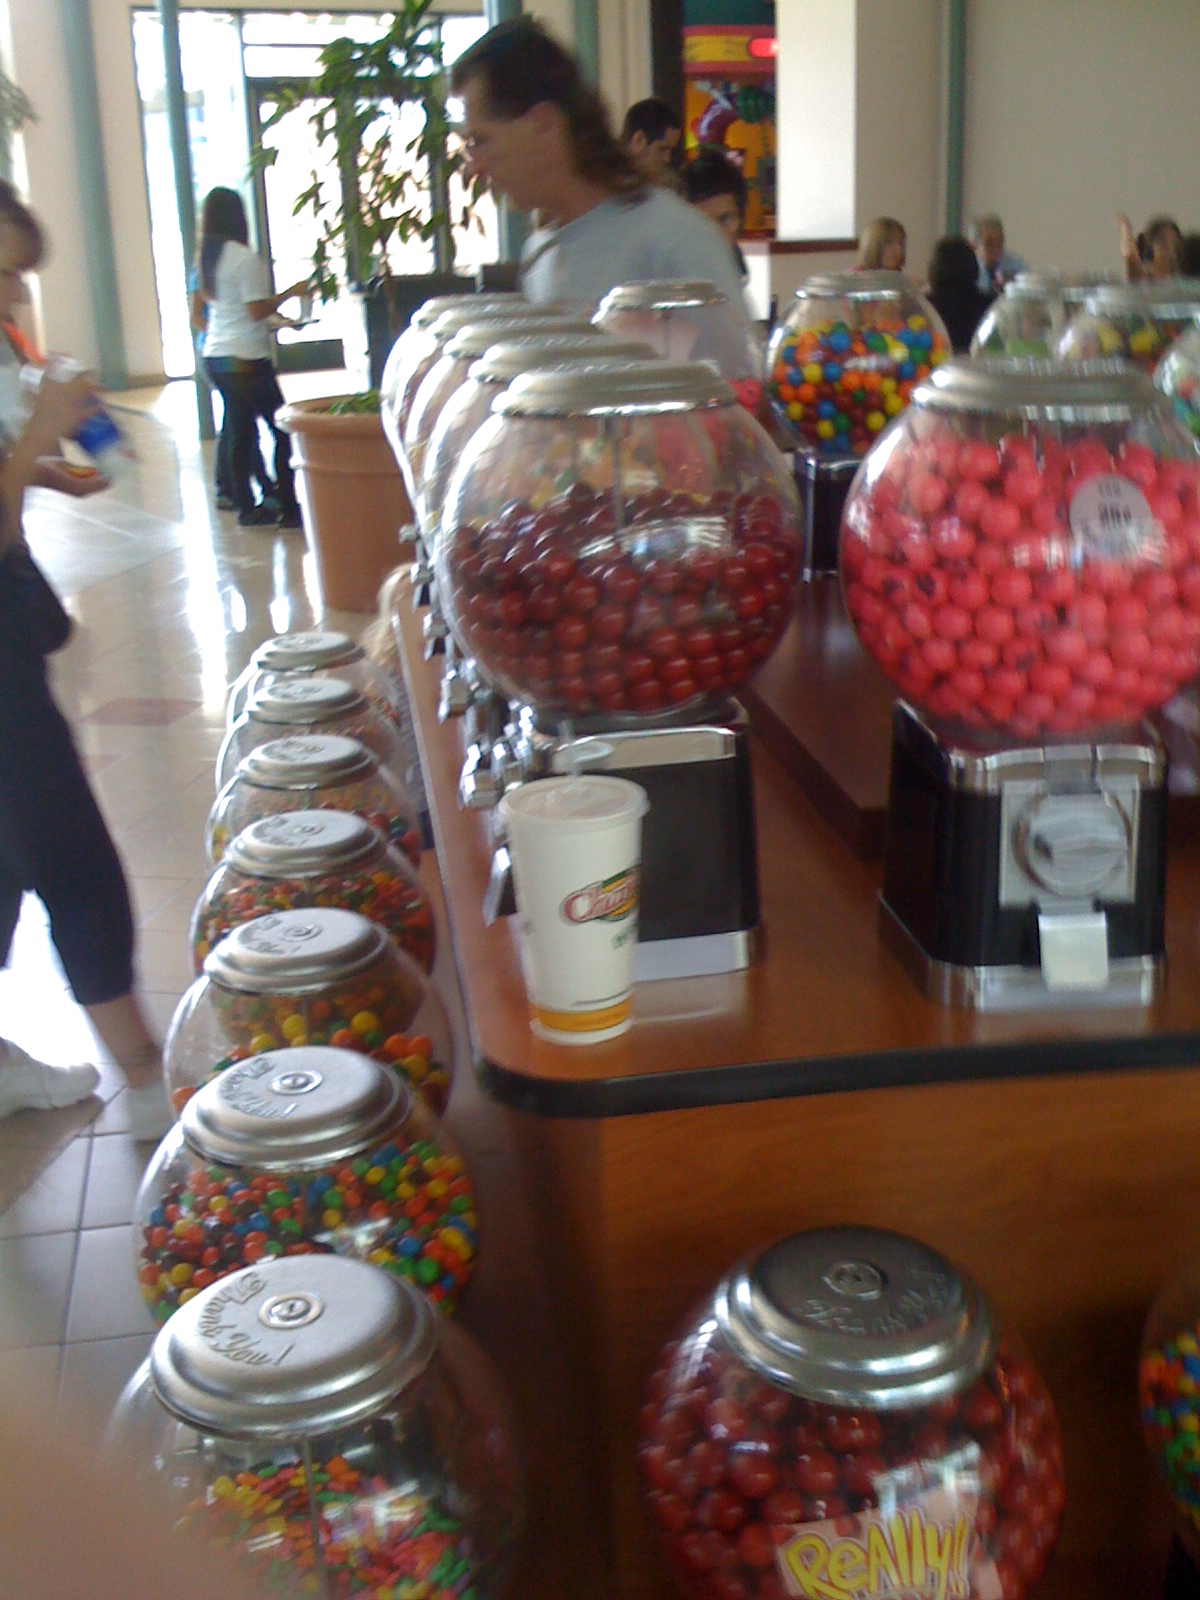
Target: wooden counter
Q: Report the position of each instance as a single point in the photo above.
(1057, 1158)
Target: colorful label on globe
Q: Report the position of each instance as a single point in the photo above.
(919, 1550)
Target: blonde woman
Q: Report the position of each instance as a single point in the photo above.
(883, 244)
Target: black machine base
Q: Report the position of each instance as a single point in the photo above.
(1030, 876)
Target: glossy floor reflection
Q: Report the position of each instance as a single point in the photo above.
(170, 598)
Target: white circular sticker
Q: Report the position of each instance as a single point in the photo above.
(1112, 519)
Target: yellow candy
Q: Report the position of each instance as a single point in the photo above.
(263, 1041)
(380, 1257)
(893, 405)
(916, 323)
(364, 1022)
(292, 1027)
(180, 1273)
(812, 373)
(875, 421)
(405, 1191)
(453, 1240)
(187, 1294)
(376, 1174)
(795, 410)
(887, 385)
(1187, 1344)
(1142, 342)
(417, 1067)
(331, 1219)
(301, 1038)
(436, 1187)
(825, 429)
(222, 1486)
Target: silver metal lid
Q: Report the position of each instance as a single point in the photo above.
(300, 652)
(1168, 299)
(427, 314)
(472, 310)
(296, 952)
(661, 294)
(505, 361)
(880, 284)
(296, 1346)
(303, 844)
(1031, 388)
(295, 1110)
(1044, 282)
(471, 342)
(857, 1316)
(307, 761)
(642, 388)
(303, 700)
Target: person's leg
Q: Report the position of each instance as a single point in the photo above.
(268, 399)
(53, 839)
(237, 390)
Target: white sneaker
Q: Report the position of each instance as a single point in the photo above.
(150, 1114)
(27, 1084)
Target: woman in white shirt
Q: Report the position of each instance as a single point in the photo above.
(231, 302)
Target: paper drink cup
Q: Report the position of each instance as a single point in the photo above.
(576, 846)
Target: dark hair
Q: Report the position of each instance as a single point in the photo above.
(711, 173)
(521, 67)
(953, 263)
(1189, 256)
(1157, 228)
(222, 218)
(17, 214)
(653, 118)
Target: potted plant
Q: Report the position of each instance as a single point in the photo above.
(381, 115)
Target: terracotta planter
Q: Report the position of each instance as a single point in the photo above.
(351, 497)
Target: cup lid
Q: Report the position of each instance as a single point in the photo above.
(303, 700)
(296, 1346)
(661, 294)
(304, 844)
(307, 761)
(295, 1110)
(640, 388)
(857, 1316)
(471, 342)
(296, 951)
(504, 361)
(581, 804)
(297, 652)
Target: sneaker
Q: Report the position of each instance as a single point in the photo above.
(27, 1084)
(258, 517)
(150, 1114)
(290, 519)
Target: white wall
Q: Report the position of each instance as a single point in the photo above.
(816, 118)
(1077, 109)
(899, 120)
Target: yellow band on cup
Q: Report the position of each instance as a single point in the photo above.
(584, 1021)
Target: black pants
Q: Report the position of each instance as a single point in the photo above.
(53, 839)
(251, 390)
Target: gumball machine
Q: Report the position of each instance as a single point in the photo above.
(1026, 320)
(618, 551)
(843, 1418)
(1021, 556)
(688, 321)
(468, 408)
(843, 363)
(1134, 322)
(1169, 1405)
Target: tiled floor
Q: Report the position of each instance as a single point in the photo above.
(170, 598)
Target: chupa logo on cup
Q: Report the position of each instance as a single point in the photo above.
(611, 900)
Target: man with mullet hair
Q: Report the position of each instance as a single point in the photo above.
(539, 135)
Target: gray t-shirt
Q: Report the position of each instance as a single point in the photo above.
(653, 234)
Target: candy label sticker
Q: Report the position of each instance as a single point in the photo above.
(612, 900)
(922, 1550)
(1112, 519)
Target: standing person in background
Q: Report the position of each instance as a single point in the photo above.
(884, 245)
(53, 839)
(539, 134)
(1152, 254)
(954, 291)
(996, 266)
(650, 135)
(713, 183)
(232, 302)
